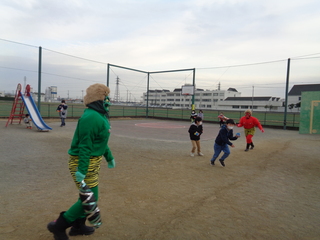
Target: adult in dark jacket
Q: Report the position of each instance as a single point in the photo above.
(222, 142)
(195, 132)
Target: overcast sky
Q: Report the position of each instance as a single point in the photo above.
(161, 35)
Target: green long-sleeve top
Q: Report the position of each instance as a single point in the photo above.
(91, 139)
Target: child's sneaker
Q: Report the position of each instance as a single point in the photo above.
(222, 163)
(200, 154)
(192, 154)
(212, 163)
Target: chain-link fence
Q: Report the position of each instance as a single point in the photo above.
(272, 119)
(70, 76)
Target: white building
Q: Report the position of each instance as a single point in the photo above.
(204, 99)
(212, 99)
(51, 94)
(35, 97)
(256, 103)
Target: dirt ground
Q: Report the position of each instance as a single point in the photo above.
(157, 191)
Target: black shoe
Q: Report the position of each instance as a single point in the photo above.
(212, 163)
(58, 228)
(79, 228)
(252, 146)
(222, 163)
(247, 147)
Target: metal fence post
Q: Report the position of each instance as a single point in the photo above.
(147, 106)
(286, 96)
(39, 78)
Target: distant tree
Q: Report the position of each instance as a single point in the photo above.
(298, 105)
(291, 106)
(270, 107)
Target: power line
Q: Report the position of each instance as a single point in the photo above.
(19, 69)
(302, 58)
(139, 83)
(113, 71)
(82, 79)
(229, 66)
(75, 56)
(52, 74)
(5, 40)
(69, 55)
(184, 80)
(243, 65)
(306, 55)
(121, 83)
(156, 82)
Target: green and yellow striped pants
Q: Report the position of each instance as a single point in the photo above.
(92, 176)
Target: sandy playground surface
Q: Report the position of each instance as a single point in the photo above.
(158, 191)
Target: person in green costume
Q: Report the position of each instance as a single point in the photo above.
(89, 144)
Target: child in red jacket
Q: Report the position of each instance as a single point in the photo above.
(249, 123)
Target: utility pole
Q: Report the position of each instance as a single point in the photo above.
(252, 98)
(127, 96)
(117, 93)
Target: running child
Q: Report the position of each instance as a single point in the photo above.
(222, 142)
(195, 132)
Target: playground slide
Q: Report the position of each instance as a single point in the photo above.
(34, 113)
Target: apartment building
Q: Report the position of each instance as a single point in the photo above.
(204, 99)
